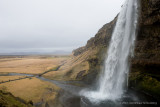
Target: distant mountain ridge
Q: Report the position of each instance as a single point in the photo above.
(60, 52)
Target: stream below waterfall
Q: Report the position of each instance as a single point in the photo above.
(70, 95)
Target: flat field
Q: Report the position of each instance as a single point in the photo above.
(29, 64)
(32, 88)
(29, 89)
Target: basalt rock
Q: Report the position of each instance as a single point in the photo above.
(145, 69)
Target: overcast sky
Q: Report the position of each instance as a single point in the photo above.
(26, 24)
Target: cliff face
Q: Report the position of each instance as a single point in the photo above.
(148, 39)
(145, 66)
(97, 48)
(145, 70)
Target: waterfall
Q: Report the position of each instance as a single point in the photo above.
(112, 82)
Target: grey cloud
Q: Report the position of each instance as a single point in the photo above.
(53, 23)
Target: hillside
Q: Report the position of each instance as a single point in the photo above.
(87, 61)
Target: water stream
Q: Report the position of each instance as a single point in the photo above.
(70, 95)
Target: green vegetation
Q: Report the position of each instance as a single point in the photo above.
(150, 84)
(145, 82)
(53, 69)
(8, 100)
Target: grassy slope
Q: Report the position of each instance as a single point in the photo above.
(8, 100)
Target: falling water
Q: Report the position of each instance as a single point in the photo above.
(112, 82)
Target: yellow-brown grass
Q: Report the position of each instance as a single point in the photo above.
(30, 89)
(29, 65)
(72, 67)
(6, 78)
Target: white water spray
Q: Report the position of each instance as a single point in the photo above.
(112, 82)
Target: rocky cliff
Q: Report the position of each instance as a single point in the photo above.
(145, 70)
(87, 61)
(145, 66)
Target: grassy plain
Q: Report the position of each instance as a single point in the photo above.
(29, 64)
(29, 89)
(33, 88)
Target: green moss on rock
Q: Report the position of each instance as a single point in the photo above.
(146, 83)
